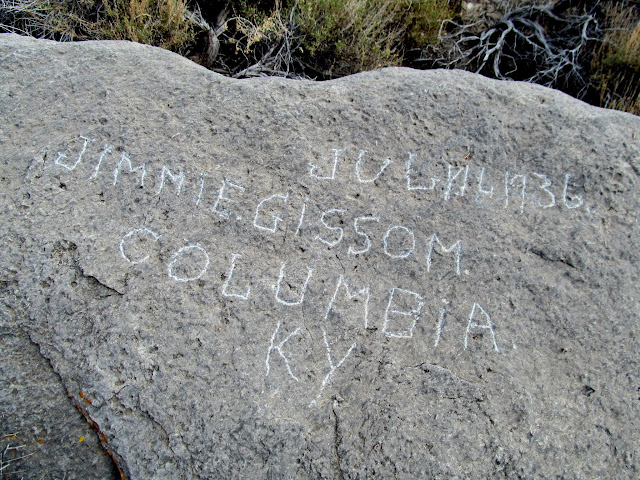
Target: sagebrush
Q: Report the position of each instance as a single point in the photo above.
(588, 49)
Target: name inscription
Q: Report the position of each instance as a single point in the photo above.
(333, 227)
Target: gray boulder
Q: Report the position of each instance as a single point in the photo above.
(399, 274)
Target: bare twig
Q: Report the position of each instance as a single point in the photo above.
(265, 53)
(25, 17)
(531, 43)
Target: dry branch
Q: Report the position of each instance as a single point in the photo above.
(531, 43)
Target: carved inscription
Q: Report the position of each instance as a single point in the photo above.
(334, 228)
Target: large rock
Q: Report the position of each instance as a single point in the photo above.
(399, 274)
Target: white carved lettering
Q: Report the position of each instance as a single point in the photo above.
(304, 208)
(350, 296)
(125, 159)
(221, 197)
(336, 156)
(227, 282)
(409, 171)
(545, 187)
(178, 180)
(199, 197)
(392, 311)
(439, 327)
(107, 149)
(278, 348)
(452, 177)
(73, 166)
(138, 232)
(275, 219)
(187, 250)
(402, 253)
(482, 191)
(356, 227)
(457, 247)
(358, 167)
(332, 366)
(565, 195)
(483, 326)
(278, 285)
(340, 230)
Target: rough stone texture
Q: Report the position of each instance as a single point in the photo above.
(38, 420)
(231, 280)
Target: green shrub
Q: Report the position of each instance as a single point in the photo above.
(348, 36)
(156, 22)
(425, 20)
(321, 38)
(326, 39)
(163, 23)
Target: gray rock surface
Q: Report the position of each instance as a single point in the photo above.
(39, 422)
(399, 274)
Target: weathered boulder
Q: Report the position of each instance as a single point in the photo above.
(399, 274)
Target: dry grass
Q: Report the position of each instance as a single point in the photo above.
(260, 28)
(10, 456)
(163, 23)
(348, 36)
(616, 63)
(584, 51)
(256, 42)
(157, 22)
